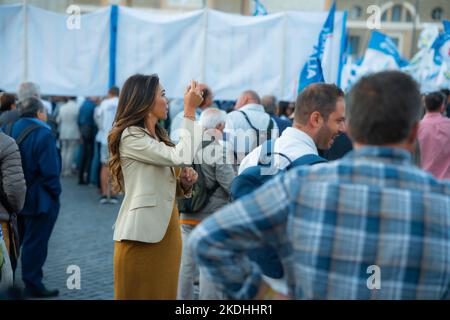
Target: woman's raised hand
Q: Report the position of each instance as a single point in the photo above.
(192, 99)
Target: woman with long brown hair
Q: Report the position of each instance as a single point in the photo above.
(144, 164)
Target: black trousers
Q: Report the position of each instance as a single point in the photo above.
(87, 153)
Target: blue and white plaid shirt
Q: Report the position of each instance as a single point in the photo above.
(330, 223)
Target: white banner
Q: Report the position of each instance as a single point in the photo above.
(231, 53)
(11, 47)
(169, 45)
(244, 53)
(65, 60)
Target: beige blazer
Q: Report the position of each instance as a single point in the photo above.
(150, 182)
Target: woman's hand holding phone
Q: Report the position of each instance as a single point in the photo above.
(192, 99)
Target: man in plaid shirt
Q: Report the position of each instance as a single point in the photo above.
(369, 226)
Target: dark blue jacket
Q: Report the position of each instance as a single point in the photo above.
(281, 123)
(340, 147)
(86, 115)
(41, 167)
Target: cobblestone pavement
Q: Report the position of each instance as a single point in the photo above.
(82, 237)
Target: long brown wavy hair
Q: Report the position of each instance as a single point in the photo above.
(136, 100)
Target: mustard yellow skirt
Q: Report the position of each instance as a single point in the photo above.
(149, 271)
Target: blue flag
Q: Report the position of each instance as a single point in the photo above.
(446, 26)
(438, 44)
(312, 70)
(384, 44)
(260, 10)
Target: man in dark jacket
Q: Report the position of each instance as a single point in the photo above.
(88, 130)
(12, 190)
(42, 167)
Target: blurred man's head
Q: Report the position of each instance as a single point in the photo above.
(207, 96)
(113, 92)
(384, 109)
(247, 97)
(213, 119)
(320, 112)
(435, 102)
(28, 90)
(7, 102)
(270, 104)
(32, 108)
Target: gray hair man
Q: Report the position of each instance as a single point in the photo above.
(32, 90)
(215, 175)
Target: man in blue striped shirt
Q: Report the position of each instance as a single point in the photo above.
(369, 226)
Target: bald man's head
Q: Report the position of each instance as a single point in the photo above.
(247, 97)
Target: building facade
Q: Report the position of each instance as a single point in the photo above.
(244, 7)
(401, 20)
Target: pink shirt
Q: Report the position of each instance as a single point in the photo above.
(434, 140)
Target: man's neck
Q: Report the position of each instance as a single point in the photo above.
(217, 134)
(434, 113)
(304, 129)
(247, 104)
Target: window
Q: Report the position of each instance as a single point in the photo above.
(397, 13)
(437, 14)
(408, 16)
(384, 16)
(356, 12)
(353, 43)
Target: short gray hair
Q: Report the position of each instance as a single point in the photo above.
(252, 95)
(30, 107)
(210, 118)
(28, 90)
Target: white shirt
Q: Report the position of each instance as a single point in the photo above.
(240, 133)
(48, 106)
(67, 119)
(293, 143)
(104, 117)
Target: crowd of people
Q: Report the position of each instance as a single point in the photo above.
(265, 199)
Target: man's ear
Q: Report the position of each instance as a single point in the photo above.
(221, 126)
(315, 119)
(42, 116)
